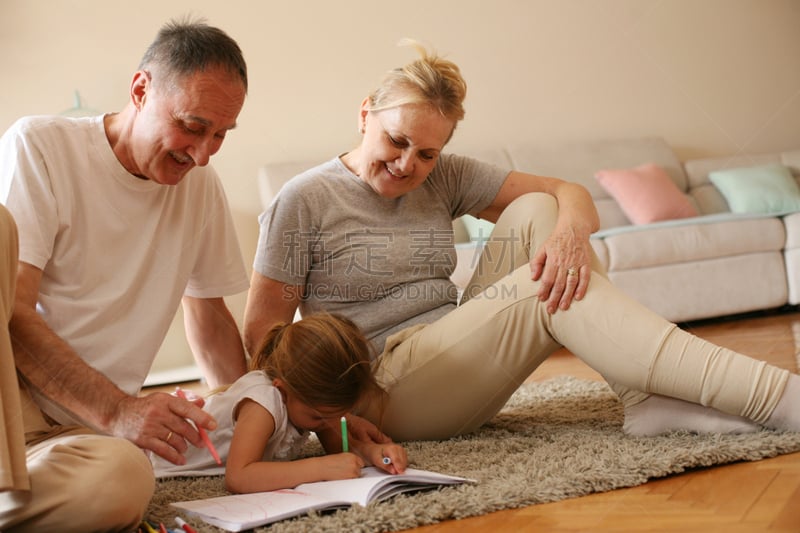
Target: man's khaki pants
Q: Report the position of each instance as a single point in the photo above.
(55, 478)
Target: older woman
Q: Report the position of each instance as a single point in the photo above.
(369, 235)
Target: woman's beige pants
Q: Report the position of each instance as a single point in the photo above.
(451, 376)
(55, 478)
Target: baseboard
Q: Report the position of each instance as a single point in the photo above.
(173, 375)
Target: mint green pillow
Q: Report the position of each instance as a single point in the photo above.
(762, 189)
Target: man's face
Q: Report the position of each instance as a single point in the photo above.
(181, 125)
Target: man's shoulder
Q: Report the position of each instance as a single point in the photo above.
(41, 124)
(199, 179)
(54, 132)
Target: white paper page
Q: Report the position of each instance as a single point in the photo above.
(363, 489)
(238, 512)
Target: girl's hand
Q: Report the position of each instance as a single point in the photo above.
(340, 466)
(391, 457)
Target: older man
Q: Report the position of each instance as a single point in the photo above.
(120, 221)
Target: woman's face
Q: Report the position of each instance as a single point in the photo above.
(400, 147)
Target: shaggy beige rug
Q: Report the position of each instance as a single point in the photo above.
(553, 440)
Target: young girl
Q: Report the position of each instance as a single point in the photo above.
(305, 377)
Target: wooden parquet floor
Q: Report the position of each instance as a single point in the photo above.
(741, 497)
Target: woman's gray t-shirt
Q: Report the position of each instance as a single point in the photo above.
(384, 263)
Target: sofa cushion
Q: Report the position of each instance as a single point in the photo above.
(646, 193)
(692, 240)
(761, 189)
(716, 287)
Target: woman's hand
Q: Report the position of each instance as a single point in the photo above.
(365, 431)
(391, 457)
(563, 266)
(563, 263)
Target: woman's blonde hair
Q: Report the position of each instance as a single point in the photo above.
(324, 359)
(430, 80)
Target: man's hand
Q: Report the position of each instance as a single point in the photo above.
(159, 422)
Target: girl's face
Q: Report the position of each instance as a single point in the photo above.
(307, 418)
(400, 147)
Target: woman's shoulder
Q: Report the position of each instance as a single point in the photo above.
(322, 173)
(458, 172)
(320, 186)
(455, 165)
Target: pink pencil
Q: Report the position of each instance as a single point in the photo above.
(203, 434)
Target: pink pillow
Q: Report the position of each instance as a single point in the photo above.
(646, 194)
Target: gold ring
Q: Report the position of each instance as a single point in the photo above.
(168, 437)
(572, 271)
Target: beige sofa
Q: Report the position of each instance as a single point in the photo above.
(715, 264)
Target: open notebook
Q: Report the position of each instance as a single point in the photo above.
(239, 512)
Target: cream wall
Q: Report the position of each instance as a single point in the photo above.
(712, 77)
